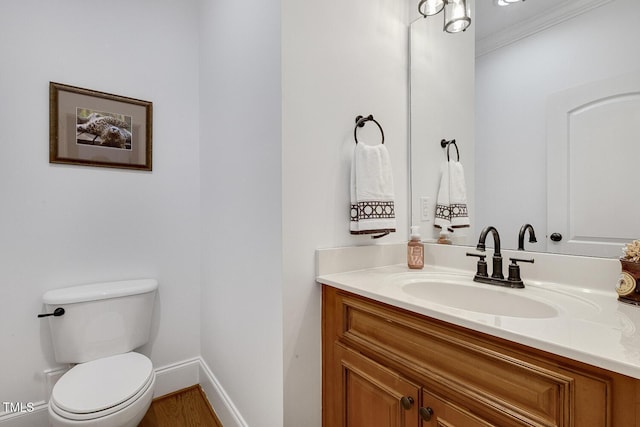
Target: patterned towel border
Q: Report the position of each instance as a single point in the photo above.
(449, 212)
(372, 210)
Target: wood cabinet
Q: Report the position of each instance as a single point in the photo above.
(373, 396)
(384, 366)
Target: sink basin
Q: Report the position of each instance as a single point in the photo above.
(457, 291)
(499, 301)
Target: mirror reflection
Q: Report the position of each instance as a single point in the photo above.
(543, 99)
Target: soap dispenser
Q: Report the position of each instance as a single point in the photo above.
(444, 237)
(415, 249)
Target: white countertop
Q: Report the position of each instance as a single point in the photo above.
(590, 326)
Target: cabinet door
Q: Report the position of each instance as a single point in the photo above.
(372, 395)
(437, 412)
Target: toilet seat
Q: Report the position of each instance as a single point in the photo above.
(102, 387)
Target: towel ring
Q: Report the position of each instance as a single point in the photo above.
(360, 121)
(444, 143)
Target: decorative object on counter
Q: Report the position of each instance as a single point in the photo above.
(457, 13)
(372, 196)
(628, 289)
(92, 128)
(451, 205)
(415, 250)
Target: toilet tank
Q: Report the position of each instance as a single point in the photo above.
(100, 319)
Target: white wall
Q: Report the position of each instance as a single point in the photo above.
(512, 87)
(259, 294)
(254, 108)
(65, 225)
(241, 190)
(442, 107)
(340, 59)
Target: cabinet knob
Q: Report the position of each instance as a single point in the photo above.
(426, 413)
(556, 237)
(407, 402)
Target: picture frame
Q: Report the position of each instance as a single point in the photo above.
(92, 128)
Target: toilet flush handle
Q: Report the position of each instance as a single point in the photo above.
(57, 312)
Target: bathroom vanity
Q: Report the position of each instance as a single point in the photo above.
(395, 357)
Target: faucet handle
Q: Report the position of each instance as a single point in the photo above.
(514, 261)
(481, 256)
(514, 271)
(481, 270)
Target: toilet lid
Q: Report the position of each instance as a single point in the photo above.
(101, 384)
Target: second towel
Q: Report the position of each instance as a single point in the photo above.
(451, 205)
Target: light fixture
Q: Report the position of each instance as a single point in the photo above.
(457, 13)
(430, 7)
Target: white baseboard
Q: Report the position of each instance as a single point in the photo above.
(169, 378)
(226, 411)
(184, 374)
(177, 376)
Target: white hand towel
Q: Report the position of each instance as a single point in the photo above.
(372, 196)
(451, 205)
(443, 205)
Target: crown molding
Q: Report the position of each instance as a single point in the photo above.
(535, 24)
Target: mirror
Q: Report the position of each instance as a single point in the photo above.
(499, 96)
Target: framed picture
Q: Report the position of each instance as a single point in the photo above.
(92, 128)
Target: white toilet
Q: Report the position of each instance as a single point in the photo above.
(111, 386)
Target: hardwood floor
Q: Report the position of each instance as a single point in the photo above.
(184, 408)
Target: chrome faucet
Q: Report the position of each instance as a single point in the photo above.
(497, 278)
(532, 236)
